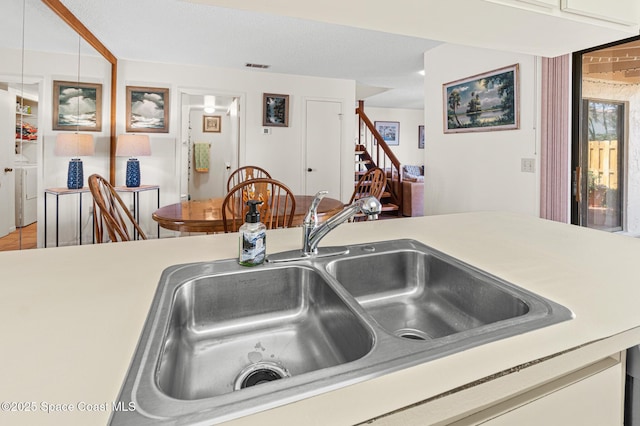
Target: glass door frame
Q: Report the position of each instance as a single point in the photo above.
(579, 180)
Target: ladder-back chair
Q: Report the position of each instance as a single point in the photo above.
(371, 184)
(246, 173)
(276, 211)
(111, 217)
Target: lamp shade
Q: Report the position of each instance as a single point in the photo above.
(129, 145)
(74, 144)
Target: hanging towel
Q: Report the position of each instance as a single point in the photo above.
(201, 154)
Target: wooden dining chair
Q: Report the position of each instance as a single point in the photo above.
(372, 183)
(111, 217)
(246, 173)
(276, 211)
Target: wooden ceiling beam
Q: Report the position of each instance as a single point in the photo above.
(68, 17)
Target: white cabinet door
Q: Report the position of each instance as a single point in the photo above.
(548, 4)
(626, 12)
(592, 401)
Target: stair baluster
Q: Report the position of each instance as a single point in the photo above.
(372, 151)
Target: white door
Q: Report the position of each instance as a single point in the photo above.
(7, 149)
(323, 146)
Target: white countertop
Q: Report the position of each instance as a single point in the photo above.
(70, 317)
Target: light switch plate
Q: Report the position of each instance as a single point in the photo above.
(528, 165)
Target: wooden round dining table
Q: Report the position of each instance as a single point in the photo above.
(206, 215)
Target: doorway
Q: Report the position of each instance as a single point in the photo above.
(210, 143)
(19, 164)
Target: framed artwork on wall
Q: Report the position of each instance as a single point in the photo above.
(275, 110)
(147, 109)
(420, 137)
(389, 130)
(211, 124)
(77, 106)
(483, 102)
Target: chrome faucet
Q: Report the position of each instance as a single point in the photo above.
(312, 232)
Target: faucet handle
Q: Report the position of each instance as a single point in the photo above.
(312, 214)
(319, 196)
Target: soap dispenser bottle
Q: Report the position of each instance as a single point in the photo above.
(253, 238)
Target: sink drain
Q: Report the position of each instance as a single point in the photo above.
(258, 373)
(412, 334)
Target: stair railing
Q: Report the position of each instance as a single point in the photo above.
(380, 155)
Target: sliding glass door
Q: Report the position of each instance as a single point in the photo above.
(606, 137)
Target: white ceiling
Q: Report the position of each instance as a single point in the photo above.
(174, 31)
(385, 65)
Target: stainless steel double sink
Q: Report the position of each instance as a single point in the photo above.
(222, 341)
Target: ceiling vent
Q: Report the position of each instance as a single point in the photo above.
(260, 66)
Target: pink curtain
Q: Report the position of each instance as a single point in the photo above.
(555, 139)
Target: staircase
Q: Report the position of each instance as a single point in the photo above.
(372, 151)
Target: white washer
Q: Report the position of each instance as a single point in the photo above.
(26, 194)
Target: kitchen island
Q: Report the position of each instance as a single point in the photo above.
(71, 317)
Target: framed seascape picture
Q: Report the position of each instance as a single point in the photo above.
(275, 110)
(211, 124)
(147, 109)
(484, 102)
(420, 137)
(77, 106)
(389, 130)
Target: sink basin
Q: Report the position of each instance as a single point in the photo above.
(232, 331)
(417, 295)
(223, 341)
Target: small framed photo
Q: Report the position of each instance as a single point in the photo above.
(147, 109)
(420, 137)
(77, 106)
(389, 130)
(211, 124)
(483, 102)
(275, 110)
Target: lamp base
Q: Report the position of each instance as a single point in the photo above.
(75, 177)
(133, 173)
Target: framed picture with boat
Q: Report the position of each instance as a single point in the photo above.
(147, 109)
(389, 130)
(484, 102)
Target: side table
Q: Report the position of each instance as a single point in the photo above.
(136, 201)
(58, 192)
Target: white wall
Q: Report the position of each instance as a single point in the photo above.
(479, 170)
(407, 151)
(627, 93)
(281, 152)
